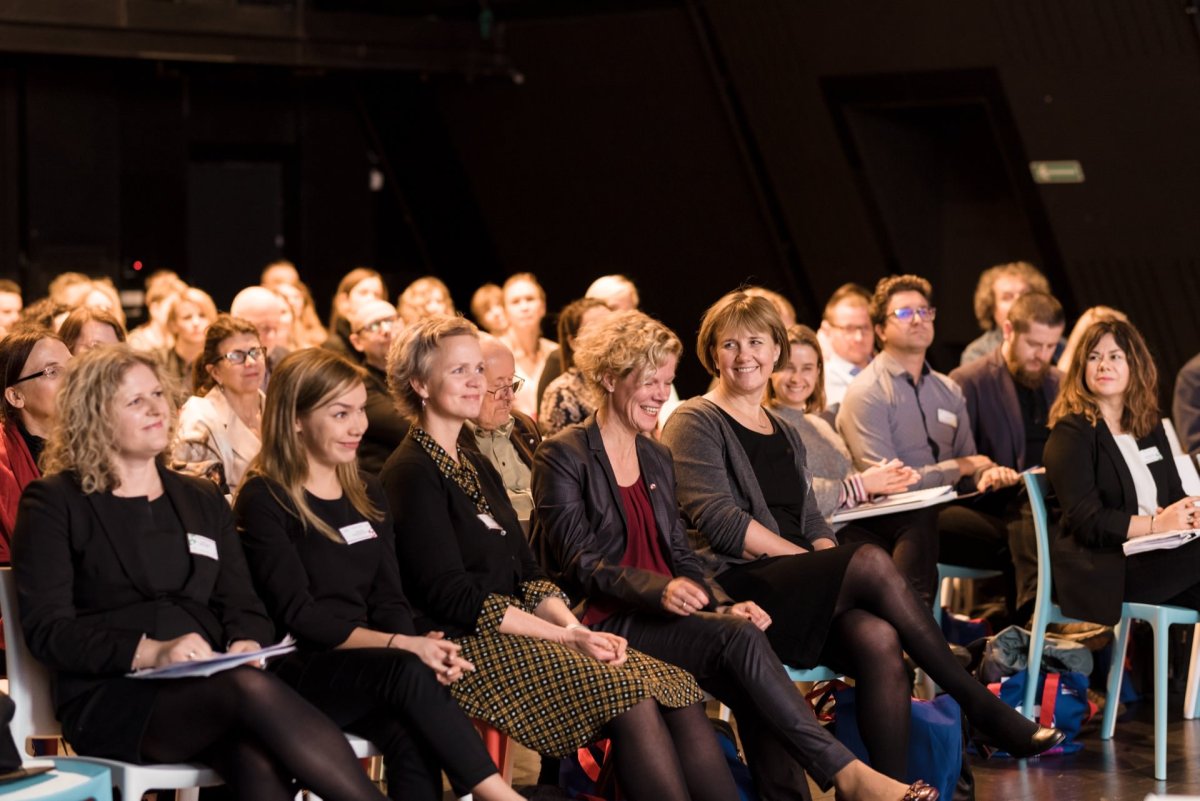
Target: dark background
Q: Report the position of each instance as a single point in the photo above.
(691, 145)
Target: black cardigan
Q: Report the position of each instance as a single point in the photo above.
(450, 560)
(1094, 488)
(579, 526)
(83, 581)
(317, 589)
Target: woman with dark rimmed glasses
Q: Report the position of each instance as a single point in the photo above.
(32, 364)
(220, 428)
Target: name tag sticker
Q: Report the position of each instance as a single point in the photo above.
(948, 417)
(358, 532)
(491, 523)
(1150, 455)
(202, 546)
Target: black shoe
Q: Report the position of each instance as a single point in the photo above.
(1039, 742)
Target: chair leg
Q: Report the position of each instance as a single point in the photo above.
(1191, 700)
(187, 794)
(1162, 630)
(1037, 642)
(1115, 671)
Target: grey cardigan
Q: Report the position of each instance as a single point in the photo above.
(716, 485)
(827, 456)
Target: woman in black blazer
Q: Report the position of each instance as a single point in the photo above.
(1111, 467)
(319, 540)
(120, 565)
(541, 676)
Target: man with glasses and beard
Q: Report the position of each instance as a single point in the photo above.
(504, 435)
(898, 407)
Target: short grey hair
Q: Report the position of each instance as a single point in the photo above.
(411, 356)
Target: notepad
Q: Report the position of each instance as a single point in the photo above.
(1160, 541)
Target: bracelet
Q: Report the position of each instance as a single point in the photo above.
(577, 626)
(1152, 524)
(389, 642)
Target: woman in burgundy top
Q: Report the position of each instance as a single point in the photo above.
(607, 523)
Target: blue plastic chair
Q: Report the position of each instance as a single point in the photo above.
(1160, 618)
(71, 780)
(946, 571)
(818, 673)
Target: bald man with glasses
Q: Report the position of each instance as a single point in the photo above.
(504, 435)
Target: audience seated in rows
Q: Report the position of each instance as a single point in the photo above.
(566, 399)
(847, 340)
(356, 288)
(997, 290)
(373, 325)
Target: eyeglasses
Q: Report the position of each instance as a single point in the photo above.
(378, 326)
(907, 313)
(508, 390)
(240, 356)
(853, 330)
(50, 372)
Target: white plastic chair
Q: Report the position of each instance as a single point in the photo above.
(29, 687)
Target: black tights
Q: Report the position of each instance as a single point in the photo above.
(258, 734)
(877, 614)
(672, 756)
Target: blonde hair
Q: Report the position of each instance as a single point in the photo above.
(411, 356)
(620, 344)
(198, 298)
(739, 310)
(301, 383)
(82, 441)
(985, 295)
(410, 304)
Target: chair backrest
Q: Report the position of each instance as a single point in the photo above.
(28, 681)
(1036, 486)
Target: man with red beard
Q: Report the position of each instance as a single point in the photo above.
(1010, 391)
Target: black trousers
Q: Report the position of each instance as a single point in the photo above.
(732, 660)
(392, 699)
(994, 530)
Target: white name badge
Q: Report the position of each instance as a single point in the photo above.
(202, 546)
(357, 532)
(1150, 455)
(948, 417)
(491, 523)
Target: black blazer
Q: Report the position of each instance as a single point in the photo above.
(1094, 488)
(450, 560)
(83, 582)
(994, 410)
(579, 528)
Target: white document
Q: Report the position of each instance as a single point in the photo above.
(198, 668)
(1159, 541)
(900, 502)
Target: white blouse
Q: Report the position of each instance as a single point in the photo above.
(1143, 480)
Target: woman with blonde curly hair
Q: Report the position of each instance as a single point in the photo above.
(122, 565)
(540, 675)
(1109, 462)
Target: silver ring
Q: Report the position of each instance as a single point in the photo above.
(191, 654)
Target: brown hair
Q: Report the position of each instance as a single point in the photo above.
(739, 311)
(803, 335)
(14, 353)
(892, 285)
(301, 383)
(530, 277)
(348, 282)
(72, 328)
(855, 293)
(985, 296)
(1036, 307)
(569, 320)
(218, 331)
(1140, 413)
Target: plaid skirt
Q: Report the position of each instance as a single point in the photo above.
(553, 700)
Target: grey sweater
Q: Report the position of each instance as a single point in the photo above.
(717, 488)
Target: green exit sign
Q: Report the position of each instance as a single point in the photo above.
(1056, 172)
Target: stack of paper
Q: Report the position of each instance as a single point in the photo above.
(900, 502)
(1159, 541)
(216, 663)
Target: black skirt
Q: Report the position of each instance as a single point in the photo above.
(110, 720)
(798, 592)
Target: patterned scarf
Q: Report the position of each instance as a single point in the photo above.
(461, 473)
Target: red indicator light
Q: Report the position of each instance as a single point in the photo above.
(137, 265)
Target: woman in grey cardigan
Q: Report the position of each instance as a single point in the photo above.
(796, 392)
(744, 483)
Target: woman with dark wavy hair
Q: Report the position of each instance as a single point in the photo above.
(1110, 465)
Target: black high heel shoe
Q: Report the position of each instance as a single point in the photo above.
(1039, 742)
